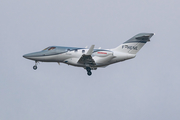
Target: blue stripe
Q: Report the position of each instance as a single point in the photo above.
(137, 41)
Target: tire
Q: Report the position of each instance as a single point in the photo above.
(35, 67)
(89, 73)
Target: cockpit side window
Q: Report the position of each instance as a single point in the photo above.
(51, 48)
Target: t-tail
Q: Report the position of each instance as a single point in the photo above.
(133, 45)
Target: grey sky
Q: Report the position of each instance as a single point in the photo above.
(144, 88)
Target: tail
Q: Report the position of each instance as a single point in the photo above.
(134, 44)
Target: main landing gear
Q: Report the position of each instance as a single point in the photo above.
(35, 66)
(89, 71)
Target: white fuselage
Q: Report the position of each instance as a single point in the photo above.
(101, 57)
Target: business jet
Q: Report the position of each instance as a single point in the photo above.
(90, 59)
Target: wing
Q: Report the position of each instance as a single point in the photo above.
(87, 58)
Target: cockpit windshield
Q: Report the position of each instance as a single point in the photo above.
(49, 48)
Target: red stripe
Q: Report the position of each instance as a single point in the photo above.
(102, 53)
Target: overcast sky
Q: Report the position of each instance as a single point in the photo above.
(144, 88)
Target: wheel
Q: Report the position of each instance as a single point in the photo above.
(89, 73)
(35, 67)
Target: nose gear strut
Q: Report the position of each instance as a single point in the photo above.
(35, 66)
(89, 71)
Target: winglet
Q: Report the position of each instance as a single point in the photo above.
(90, 51)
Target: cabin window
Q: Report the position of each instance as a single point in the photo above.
(75, 50)
(83, 51)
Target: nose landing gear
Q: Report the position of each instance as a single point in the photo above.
(89, 71)
(35, 66)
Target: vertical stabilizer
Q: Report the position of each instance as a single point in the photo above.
(133, 45)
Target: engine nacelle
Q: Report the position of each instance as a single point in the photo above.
(103, 53)
(102, 57)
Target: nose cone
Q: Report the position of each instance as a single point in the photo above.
(28, 56)
(25, 56)
(33, 56)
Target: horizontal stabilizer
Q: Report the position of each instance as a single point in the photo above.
(140, 38)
